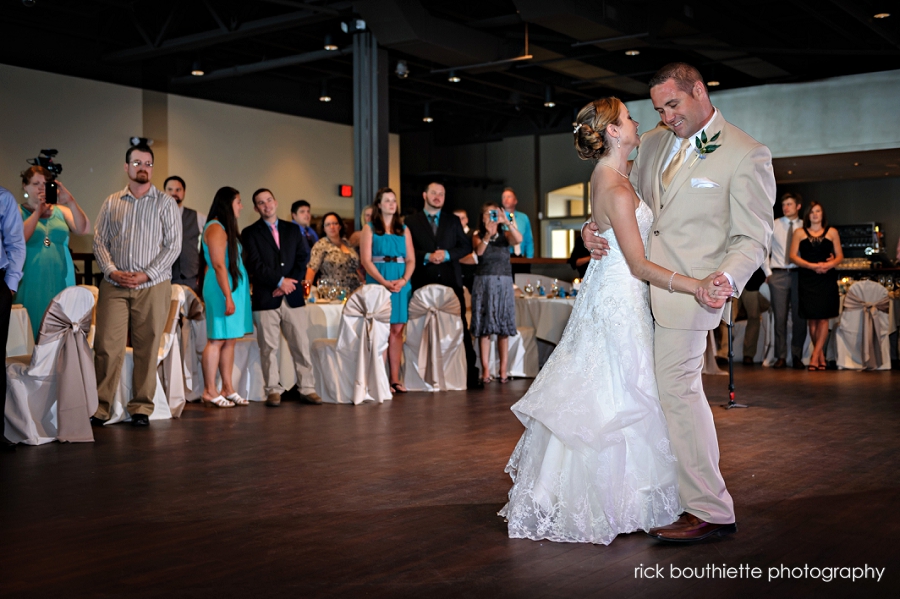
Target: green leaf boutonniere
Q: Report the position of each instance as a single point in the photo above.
(705, 146)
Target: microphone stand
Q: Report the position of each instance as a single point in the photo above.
(730, 324)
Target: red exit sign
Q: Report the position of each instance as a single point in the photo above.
(345, 191)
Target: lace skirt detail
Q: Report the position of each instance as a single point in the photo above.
(493, 306)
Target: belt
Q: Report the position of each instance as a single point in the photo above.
(380, 259)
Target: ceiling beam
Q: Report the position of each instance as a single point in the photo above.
(197, 41)
(264, 65)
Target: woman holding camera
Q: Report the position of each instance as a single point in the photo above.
(493, 302)
(48, 262)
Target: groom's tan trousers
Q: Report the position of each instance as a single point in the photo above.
(679, 359)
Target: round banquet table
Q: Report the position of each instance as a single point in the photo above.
(20, 341)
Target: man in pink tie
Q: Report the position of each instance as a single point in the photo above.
(276, 256)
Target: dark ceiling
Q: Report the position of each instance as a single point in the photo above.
(268, 54)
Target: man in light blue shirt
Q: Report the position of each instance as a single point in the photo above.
(12, 260)
(526, 248)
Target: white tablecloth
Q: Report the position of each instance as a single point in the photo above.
(324, 320)
(548, 317)
(20, 341)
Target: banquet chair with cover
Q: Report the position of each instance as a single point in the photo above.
(350, 369)
(192, 318)
(96, 293)
(52, 394)
(435, 359)
(164, 406)
(862, 334)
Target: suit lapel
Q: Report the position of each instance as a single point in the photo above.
(693, 162)
(656, 170)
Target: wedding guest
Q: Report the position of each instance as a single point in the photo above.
(467, 263)
(332, 257)
(387, 255)
(301, 214)
(524, 248)
(364, 219)
(48, 264)
(493, 302)
(186, 269)
(226, 293)
(440, 243)
(579, 258)
(274, 253)
(12, 260)
(783, 279)
(136, 240)
(816, 249)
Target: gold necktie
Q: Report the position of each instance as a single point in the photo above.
(677, 160)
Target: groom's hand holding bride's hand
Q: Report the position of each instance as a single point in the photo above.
(596, 245)
(714, 290)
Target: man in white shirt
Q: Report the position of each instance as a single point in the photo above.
(781, 276)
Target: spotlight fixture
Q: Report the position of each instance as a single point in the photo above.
(197, 70)
(632, 52)
(453, 78)
(329, 44)
(882, 15)
(426, 116)
(402, 70)
(713, 83)
(140, 141)
(548, 97)
(323, 95)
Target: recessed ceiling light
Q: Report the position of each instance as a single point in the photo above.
(632, 52)
(855, 164)
(453, 78)
(790, 172)
(882, 15)
(197, 70)
(713, 83)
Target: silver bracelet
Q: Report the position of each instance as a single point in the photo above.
(672, 278)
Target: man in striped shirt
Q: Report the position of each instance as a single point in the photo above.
(136, 240)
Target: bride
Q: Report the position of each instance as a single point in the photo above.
(594, 460)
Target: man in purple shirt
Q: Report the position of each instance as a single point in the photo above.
(12, 260)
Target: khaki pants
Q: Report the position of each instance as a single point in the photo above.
(145, 311)
(679, 359)
(293, 323)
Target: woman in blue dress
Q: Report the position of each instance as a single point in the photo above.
(48, 262)
(226, 292)
(386, 253)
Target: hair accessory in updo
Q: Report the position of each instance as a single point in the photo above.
(577, 127)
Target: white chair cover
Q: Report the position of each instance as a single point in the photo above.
(861, 336)
(54, 395)
(435, 359)
(351, 369)
(192, 311)
(96, 293)
(166, 404)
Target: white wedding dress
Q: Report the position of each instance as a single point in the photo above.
(594, 461)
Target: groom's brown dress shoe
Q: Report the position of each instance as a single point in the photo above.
(689, 529)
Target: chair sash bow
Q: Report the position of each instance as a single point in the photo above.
(871, 327)
(368, 357)
(429, 364)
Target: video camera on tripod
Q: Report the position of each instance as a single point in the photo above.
(45, 160)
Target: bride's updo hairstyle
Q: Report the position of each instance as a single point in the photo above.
(591, 141)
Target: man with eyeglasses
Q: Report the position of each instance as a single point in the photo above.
(136, 240)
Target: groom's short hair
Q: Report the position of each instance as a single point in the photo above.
(684, 75)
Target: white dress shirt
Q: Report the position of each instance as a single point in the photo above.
(780, 244)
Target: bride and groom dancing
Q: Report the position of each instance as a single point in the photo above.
(619, 435)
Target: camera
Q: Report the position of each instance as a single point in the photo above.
(493, 216)
(45, 160)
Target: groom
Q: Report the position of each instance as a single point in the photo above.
(713, 212)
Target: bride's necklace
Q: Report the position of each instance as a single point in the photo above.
(624, 176)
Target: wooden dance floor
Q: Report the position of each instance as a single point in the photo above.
(399, 500)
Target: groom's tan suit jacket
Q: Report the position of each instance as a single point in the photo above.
(700, 229)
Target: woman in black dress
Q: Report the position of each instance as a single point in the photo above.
(816, 249)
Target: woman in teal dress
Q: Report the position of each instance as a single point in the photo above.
(48, 262)
(386, 253)
(226, 293)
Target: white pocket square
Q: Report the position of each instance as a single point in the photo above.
(703, 183)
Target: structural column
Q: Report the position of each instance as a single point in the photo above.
(370, 119)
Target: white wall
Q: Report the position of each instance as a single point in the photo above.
(209, 144)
